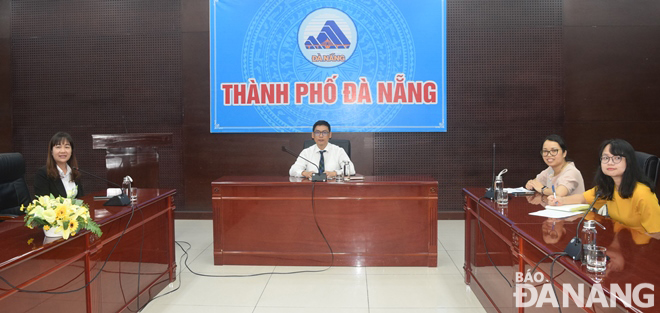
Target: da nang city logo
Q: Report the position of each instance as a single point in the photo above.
(327, 37)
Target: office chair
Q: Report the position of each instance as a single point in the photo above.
(343, 143)
(13, 188)
(649, 165)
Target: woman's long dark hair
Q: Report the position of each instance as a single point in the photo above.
(631, 176)
(51, 165)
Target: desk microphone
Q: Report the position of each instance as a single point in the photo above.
(315, 177)
(118, 200)
(574, 247)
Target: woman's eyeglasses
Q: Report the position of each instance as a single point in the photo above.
(616, 159)
(551, 152)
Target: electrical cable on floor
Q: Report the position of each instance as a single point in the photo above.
(185, 262)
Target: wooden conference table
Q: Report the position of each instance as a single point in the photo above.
(516, 241)
(30, 261)
(378, 221)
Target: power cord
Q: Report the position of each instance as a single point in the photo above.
(185, 261)
(552, 277)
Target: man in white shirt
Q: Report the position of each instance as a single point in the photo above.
(328, 157)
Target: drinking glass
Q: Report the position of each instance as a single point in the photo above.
(503, 197)
(596, 258)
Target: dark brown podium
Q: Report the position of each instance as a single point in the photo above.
(132, 154)
(378, 221)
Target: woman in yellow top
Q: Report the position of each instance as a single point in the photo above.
(627, 193)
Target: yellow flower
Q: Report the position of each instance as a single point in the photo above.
(46, 227)
(30, 241)
(73, 226)
(21, 208)
(61, 212)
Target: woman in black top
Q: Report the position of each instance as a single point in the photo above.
(59, 177)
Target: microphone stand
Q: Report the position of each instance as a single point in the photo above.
(118, 200)
(574, 247)
(315, 177)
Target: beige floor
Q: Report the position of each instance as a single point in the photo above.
(338, 290)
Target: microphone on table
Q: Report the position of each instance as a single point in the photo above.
(315, 177)
(574, 247)
(118, 200)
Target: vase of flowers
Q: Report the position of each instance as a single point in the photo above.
(59, 217)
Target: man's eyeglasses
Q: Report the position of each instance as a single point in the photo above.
(551, 152)
(318, 133)
(616, 159)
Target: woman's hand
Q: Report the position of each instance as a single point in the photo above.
(533, 184)
(552, 200)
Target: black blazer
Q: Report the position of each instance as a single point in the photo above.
(44, 186)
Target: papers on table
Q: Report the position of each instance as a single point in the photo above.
(554, 213)
(519, 191)
(561, 211)
(568, 207)
(111, 192)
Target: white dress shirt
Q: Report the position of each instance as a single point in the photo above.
(69, 185)
(333, 157)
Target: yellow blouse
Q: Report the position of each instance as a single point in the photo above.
(641, 211)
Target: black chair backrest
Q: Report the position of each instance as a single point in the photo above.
(13, 188)
(344, 143)
(649, 165)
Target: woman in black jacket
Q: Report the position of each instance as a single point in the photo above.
(59, 177)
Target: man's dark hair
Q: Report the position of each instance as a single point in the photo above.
(321, 122)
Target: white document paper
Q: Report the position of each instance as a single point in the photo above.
(568, 207)
(111, 192)
(554, 213)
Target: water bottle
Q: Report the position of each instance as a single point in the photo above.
(126, 187)
(347, 171)
(500, 196)
(588, 237)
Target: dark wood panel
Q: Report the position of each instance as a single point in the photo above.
(375, 222)
(611, 12)
(5, 77)
(5, 90)
(612, 73)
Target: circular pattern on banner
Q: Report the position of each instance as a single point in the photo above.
(271, 53)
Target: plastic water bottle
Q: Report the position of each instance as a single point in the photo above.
(126, 187)
(588, 237)
(500, 196)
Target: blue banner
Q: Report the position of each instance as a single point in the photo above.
(364, 66)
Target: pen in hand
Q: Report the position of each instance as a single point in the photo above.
(554, 194)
